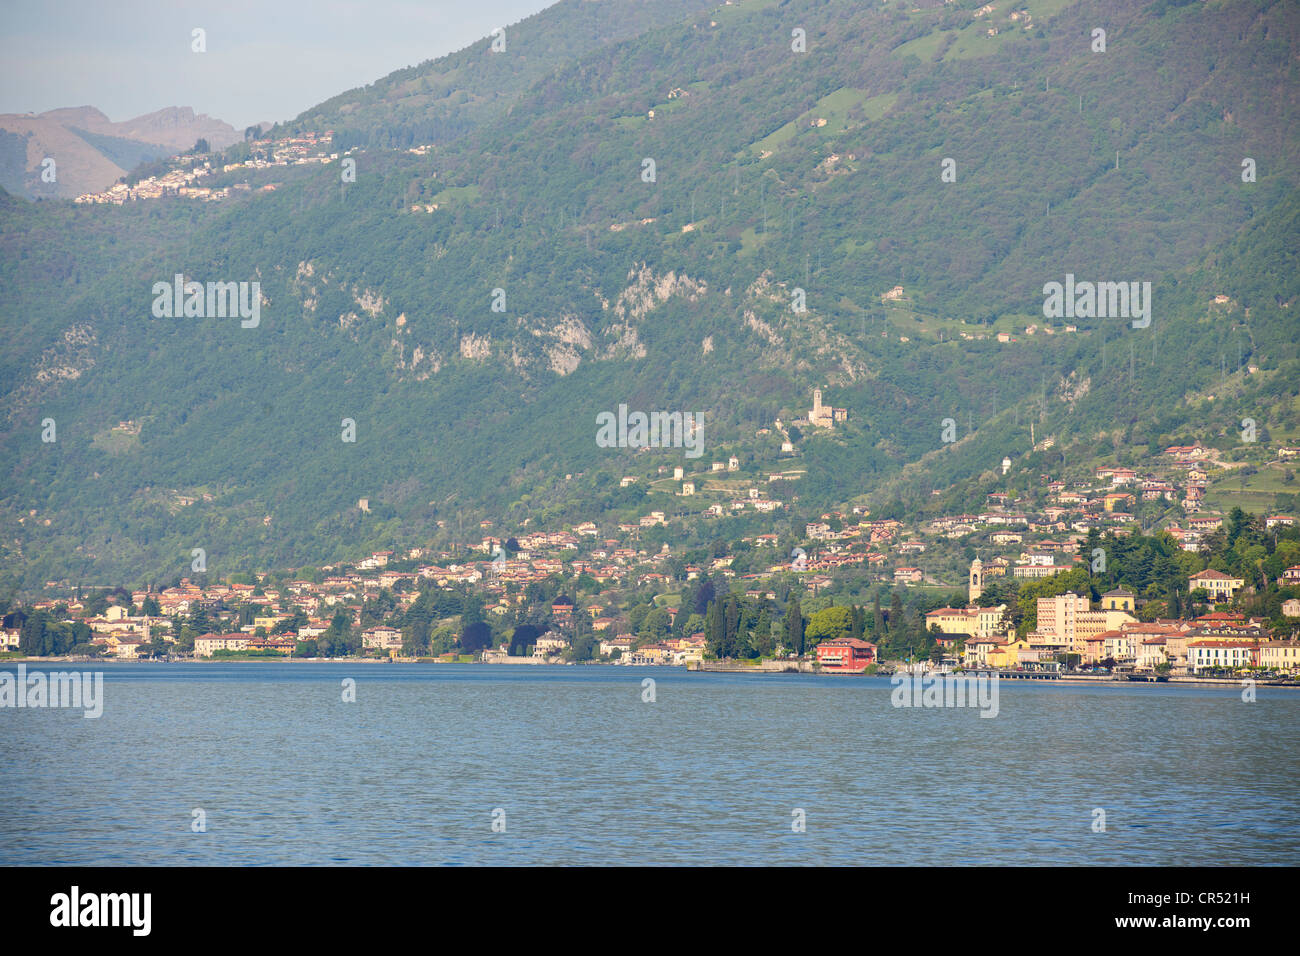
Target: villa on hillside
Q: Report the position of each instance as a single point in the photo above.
(1220, 586)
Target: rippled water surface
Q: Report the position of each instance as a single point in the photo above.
(586, 772)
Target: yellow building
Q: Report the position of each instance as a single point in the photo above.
(1220, 586)
(1280, 656)
(1006, 655)
(971, 621)
(1117, 600)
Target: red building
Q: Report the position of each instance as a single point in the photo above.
(846, 655)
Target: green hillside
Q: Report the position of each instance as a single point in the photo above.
(440, 100)
(669, 294)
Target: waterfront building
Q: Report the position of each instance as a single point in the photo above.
(846, 655)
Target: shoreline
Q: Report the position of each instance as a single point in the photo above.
(708, 667)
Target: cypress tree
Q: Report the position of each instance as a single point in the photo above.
(731, 624)
(897, 622)
(763, 633)
(715, 629)
(794, 625)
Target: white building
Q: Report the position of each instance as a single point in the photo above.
(205, 646)
(550, 644)
(1208, 653)
(382, 639)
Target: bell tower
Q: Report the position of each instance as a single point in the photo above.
(976, 580)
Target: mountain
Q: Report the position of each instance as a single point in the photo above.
(442, 99)
(919, 173)
(90, 151)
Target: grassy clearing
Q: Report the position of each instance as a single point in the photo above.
(116, 441)
(834, 109)
(751, 241)
(456, 194)
(913, 322)
(726, 13)
(924, 48)
(1255, 493)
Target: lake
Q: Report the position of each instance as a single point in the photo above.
(577, 768)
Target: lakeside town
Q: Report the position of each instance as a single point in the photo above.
(1032, 597)
(970, 637)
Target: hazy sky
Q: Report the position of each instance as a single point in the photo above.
(265, 59)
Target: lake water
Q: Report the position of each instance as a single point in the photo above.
(586, 772)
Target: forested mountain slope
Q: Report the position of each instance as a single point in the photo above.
(773, 170)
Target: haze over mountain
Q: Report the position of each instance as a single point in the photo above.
(773, 170)
(90, 151)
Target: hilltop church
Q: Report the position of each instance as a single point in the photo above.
(824, 416)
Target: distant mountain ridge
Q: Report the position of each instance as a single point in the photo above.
(90, 151)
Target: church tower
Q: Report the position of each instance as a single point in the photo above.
(976, 580)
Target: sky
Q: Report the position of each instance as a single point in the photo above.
(266, 60)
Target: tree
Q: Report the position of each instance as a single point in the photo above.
(656, 625)
(471, 609)
(794, 624)
(584, 639)
(340, 638)
(896, 622)
(31, 639)
(637, 614)
(703, 596)
(762, 634)
(829, 623)
(715, 630)
(291, 624)
(731, 626)
(200, 623)
(475, 637)
(523, 637)
(442, 640)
